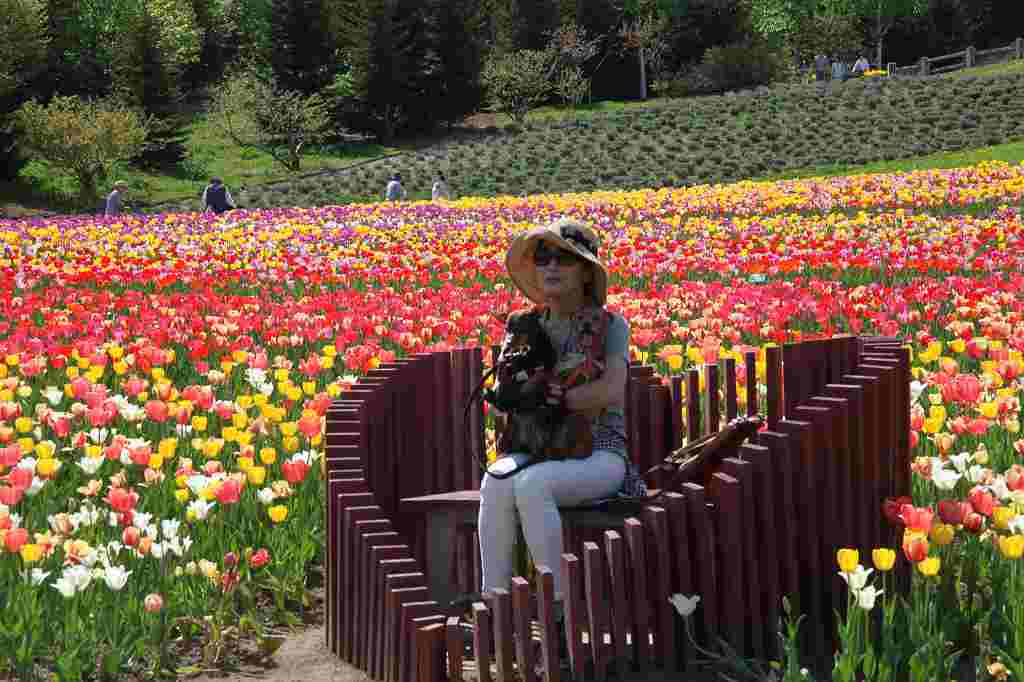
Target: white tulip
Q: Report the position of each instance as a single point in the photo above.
(116, 577)
(90, 465)
(858, 579)
(684, 605)
(867, 596)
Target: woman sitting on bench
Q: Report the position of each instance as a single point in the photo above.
(557, 268)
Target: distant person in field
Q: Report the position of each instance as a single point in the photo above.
(860, 66)
(394, 190)
(217, 197)
(115, 199)
(821, 66)
(839, 72)
(440, 188)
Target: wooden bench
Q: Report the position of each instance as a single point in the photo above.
(444, 514)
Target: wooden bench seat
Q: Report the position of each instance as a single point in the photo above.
(444, 513)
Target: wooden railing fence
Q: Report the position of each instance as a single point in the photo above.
(964, 59)
(767, 524)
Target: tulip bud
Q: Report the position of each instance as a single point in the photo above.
(848, 560)
(974, 523)
(883, 558)
(130, 536)
(153, 603)
(929, 567)
(230, 560)
(942, 534)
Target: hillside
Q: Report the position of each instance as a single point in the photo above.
(695, 141)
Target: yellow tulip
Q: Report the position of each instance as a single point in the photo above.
(47, 467)
(156, 460)
(1011, 546)
(290, 444)
(930, 566)
(942, 534)
(239, 420)
(957, 345)
(937, 412)
(181, 494)
(259, 400)
(45, 449)
(268, 455)
(309, 387)
(256, 475)
(244, 402)
(989, 410)
(31, 553)
(239, 355)
(1001, 517)
(229, 433)
(23, 424)
(199, 423)
(848, 560)
(883, 558)
(278, 513)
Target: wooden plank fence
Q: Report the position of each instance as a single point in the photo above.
(836, 439)
(964, 59)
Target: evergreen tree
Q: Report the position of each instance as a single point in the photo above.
(458, 31)
(303, 47)
(533, 21)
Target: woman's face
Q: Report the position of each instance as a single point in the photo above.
(560, 274)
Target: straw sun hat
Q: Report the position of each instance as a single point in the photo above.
(567, 234)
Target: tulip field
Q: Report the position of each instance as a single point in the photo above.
(164, 381)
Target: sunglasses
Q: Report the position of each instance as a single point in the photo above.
(542, 256)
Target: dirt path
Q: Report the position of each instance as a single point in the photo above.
(303, 657)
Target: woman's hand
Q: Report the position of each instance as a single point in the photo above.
(555, 394)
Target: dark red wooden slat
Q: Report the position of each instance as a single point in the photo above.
(728, 370)
(682, 579)
(522, 611)
(773, 385)
(387, 567)
(621, 617)
(429, 641)
(767, 542)
(338, 609)
(639, 596)
(374, 640)
(704, 543)
(364, 590)
(711, 407)
(808, 547)
(656, 522)
(750, 365)
(453, 641)
(593, 568)
(407, 652)
(693, 425)
(572, 587)
(392, 607)
(398, 597)
(678, 399)
(503, 640)
(752, 555)
(858, 515)
(548, 626)
(786, 519)
(728, 499)
(482, 641)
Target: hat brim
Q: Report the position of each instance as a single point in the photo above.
(520, 266)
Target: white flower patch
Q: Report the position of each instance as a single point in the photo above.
(90, 465)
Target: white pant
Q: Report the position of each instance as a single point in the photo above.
(536, 493)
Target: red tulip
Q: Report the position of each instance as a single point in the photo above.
(14, 539)
(10, 496)
(916, 550)
(20, 478)
(229, 492)
(259, 558)
(892, 506)
(953, 511)
(917, 518)
(130, 536)
(295, 470)
(974, 523)
(121, 500)
(157, 410)
(982, 500)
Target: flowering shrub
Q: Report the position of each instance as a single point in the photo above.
(164, 379)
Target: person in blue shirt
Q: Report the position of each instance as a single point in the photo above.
(216, 197)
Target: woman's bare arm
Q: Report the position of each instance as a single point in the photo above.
(608, 390)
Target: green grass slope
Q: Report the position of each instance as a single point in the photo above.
(789, 131)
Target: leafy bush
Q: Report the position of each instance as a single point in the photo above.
(519, 81)
(741, 65)
(82, 138)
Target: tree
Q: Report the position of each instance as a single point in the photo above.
(83, 138)
(253, 112)
(457, 26)
(780, 17)
(23, 43)
(645, 35)
(518, 82)
(532, 23)
(304, 53)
